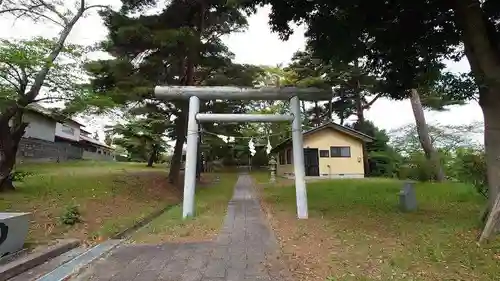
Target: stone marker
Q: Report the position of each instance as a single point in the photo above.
(407, 197)
(13, 231)
(272, 168)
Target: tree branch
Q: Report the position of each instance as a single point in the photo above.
(9, 10)
(96, 6)
(10, 82)
(34, 14)
(18, 78)
(51, 99)
(53, 9)
(42, 74)
(370, 103)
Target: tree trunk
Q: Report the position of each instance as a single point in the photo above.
(180, 132)
(423, 135)
(152, 157)
(7, 160)
(481, 49)
(490, 105)
(9, 142)
(181, 122)
(198, 161)
(317, 114)
(361, 123)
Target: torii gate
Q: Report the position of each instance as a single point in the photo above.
(195, 93)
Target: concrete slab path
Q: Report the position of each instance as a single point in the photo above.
(246, 249)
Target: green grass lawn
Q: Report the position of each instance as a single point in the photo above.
(356, 232)
(111, 196)
(211, 204)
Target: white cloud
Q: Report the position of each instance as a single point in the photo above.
(259, 46)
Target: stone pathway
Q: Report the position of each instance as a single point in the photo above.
(246, 249)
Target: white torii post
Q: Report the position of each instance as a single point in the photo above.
(298, 159)
(191, 158)
(234, 93)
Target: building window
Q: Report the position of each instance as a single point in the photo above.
(68, 130)
(289, 156)
(324, 153)
(281, 157)
(340, 151)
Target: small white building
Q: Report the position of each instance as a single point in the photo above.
(52, 137)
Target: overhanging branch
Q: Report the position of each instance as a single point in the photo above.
(4, 77)
(96, 6)
(53, 9)
(370, 103)
(21, 12)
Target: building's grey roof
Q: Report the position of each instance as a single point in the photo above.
(331, 125)
(40, 110)
(47, 112)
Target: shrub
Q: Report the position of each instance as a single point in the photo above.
(416, 167)
(383, 164)
(71, 215)
(19, 175)
(469, 166)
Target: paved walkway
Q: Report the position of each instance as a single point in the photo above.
(244, 250)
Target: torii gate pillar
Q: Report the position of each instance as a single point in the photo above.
(298, 159)
(191, 158)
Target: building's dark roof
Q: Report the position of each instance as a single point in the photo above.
(331, 125)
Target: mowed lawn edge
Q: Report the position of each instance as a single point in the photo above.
(110, 197)
(211, 203)
(355, 231)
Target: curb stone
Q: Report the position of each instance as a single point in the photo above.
(119, 239)
(34, 259)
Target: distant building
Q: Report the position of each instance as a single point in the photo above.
(49, 137)
(330, 150)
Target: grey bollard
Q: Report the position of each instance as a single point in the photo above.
(407, 197)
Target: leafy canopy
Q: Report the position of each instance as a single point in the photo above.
(403, 42)
(23, 59)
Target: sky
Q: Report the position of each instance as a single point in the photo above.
(259, 46)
